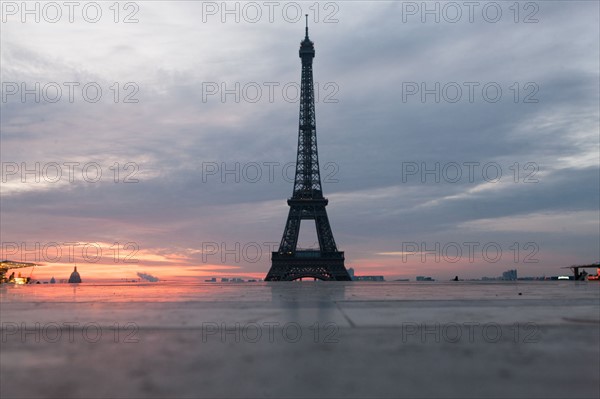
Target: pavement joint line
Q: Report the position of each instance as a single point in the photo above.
(348, 319)
(577, 320)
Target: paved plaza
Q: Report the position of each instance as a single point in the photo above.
(298, 340)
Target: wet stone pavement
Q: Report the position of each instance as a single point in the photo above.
(298, 340)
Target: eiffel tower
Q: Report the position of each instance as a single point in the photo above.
(307, 202)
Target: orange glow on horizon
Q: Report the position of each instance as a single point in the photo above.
(118, 264)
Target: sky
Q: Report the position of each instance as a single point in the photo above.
(160, 137)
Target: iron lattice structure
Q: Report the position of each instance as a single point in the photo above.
(307, 202)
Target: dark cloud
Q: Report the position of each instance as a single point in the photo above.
(175, 131)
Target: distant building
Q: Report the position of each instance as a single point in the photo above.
(423, 278)
(510, 275)
(52, 280)
(212, 280)
(363, 278)
(75, 277)
(351, 273)
(224, 280)
(368, 278)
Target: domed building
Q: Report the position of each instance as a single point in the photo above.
(75, 277)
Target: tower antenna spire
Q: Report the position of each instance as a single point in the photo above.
(306, 15)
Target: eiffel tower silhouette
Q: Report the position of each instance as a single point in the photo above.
(307, 202)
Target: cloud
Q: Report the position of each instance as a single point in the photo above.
(174, 131)
(582, 222)
(148, 277)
